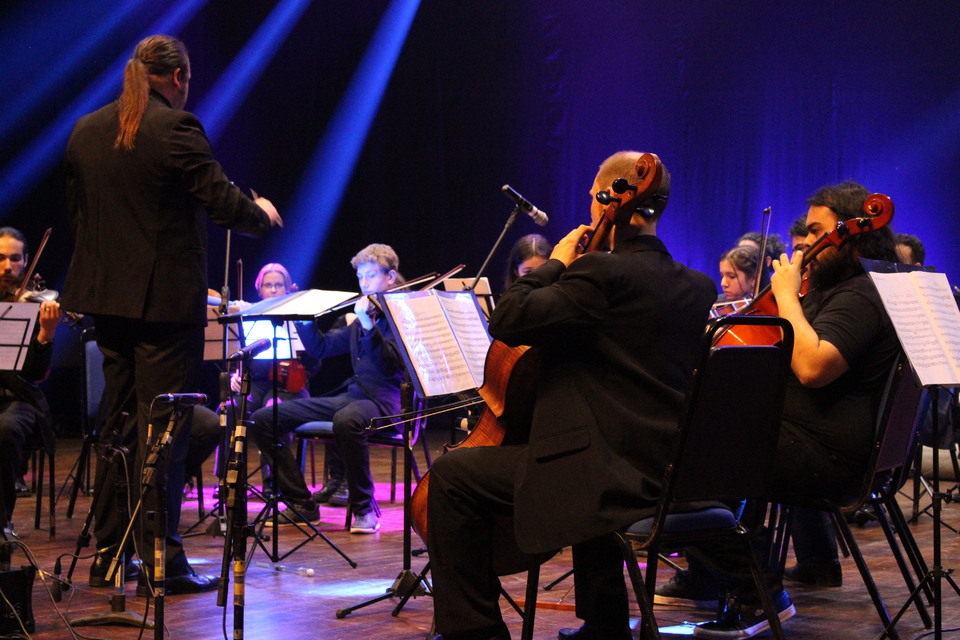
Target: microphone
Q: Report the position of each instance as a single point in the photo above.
(189, 399)
(251, 350)
(538, 216)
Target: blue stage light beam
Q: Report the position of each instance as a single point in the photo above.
(79, 55)
(324, 182)
(225, 97)
(23, 172)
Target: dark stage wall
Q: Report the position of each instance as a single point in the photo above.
(749, 104)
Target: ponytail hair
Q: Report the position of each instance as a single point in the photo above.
(154, 57)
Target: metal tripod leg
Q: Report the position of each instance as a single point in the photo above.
(270, 514)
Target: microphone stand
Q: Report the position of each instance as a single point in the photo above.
(118, 614)
(496, 245)
(154, 476)
(235, 541)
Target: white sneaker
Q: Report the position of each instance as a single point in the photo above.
(366, 523)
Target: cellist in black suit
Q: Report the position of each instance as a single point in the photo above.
(141, 183)
(617, 333)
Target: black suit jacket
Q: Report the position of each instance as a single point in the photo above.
(617, 334)
(140, 216)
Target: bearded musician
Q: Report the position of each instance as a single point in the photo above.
(844, 347)
(24, 413)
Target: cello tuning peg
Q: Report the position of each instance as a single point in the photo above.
(604, 198)
(621, 185)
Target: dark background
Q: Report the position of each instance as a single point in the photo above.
(749, 104)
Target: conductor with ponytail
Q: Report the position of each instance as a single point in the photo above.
(141, 183)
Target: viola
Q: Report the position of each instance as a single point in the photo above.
(291, 375)
(510, 373)
(878, 210)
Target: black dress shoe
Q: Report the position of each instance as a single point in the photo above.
(822, 573)
(191, 582)
(100, 566)
(589, 631)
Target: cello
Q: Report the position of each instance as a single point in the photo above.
(878, 210)
(510, 373)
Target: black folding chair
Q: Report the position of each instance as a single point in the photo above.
(720, 457)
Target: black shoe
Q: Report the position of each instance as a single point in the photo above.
(191, 582)
(744, 620)
(690, 589)
(341, 498)
(100, 566)
(299, 513)
(331, 488)
(591, 631)
(22, 489)
(822, 573)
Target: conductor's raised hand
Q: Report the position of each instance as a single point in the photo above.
(270, 210)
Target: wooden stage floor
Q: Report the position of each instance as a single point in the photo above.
(288, 605)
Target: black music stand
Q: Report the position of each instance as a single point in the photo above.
(297, 306)
(219, 341)
(407, 583)
(443, 339)
(920, 305)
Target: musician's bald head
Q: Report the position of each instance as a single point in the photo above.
(623, 164)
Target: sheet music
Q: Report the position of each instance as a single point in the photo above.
(299, 305)
(17, 320)
(483, 291)
(288, 340)
(925, 316)
(213, 335)
(471, 332)
(429, 341)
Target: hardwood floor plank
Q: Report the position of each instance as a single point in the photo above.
(291, 606)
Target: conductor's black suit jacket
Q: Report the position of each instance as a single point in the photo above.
(618, 334)
(140, 216)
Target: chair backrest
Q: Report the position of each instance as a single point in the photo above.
(725, 448)
(896, 432)
(91, 380)
(898, 418)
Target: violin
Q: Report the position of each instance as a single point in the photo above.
(511, 373)
(727, 307)
(878, 210)
(33, 288)
(291, 374)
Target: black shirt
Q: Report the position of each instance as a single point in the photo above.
(842, 415)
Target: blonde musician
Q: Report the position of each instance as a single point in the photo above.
(373, 390)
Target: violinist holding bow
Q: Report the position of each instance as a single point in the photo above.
(617, 334)
(24, 412)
